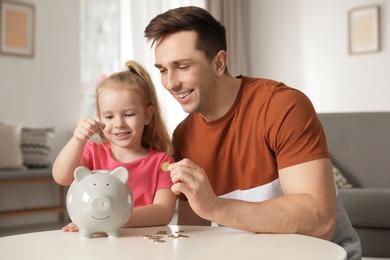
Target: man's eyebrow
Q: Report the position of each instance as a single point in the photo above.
(173, 62)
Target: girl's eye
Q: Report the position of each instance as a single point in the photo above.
(130, 114)
(108, 117)
(184, 67)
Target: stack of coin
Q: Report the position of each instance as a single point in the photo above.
(158, 238)
(155, 239)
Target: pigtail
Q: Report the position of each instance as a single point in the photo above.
(155, 135)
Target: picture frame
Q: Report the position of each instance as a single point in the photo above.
(17, 26)
(364, 30)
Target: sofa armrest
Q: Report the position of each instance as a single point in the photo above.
(14, 174)
(367, 207)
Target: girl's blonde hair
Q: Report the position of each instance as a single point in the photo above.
(155, 134)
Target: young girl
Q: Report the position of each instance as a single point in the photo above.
(134, 136)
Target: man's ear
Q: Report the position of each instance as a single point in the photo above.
(149, 112)
(220, 62)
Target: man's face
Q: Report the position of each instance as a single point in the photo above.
(186, 73)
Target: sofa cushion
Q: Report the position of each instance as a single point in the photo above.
(367, 207)
(36, 146)
(339, 178)
(10, 153)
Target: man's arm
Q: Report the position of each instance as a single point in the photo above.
(308, 206)
(186, 216)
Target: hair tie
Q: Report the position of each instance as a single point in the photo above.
(125, 68)
(133, 71)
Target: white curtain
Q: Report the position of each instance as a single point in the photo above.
(233, 15)
(99, 53)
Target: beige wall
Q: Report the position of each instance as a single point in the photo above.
(304, 44)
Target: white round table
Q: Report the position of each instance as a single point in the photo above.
(192, 242)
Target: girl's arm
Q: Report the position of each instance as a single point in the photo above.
(70, 156)
(67, 161)
(159, 213)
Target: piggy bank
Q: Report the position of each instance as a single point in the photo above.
(99, 201)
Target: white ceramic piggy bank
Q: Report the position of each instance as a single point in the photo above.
(99, 201)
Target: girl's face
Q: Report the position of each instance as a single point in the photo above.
(125, 116)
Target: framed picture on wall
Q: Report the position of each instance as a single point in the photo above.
(364, 31)
(17, 28)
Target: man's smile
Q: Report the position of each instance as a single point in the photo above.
(184, 94)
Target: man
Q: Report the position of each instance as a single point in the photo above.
(252, 153)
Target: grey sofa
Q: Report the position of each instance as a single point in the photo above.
(359, 144)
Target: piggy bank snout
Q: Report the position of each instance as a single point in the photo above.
(100, 203)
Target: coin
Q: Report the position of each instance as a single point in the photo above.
(159, 238)
(174, 236)
(164, 166)
(101, 134)
(155, 237)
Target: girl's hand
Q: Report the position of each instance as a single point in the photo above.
(86, 128)
(71, 227)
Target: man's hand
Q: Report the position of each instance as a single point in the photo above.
(191, 180)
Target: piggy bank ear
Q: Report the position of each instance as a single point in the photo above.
(81, 172)
(121, 173)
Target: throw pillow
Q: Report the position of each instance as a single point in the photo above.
(10, 153)
(341, 181)
(36, 146)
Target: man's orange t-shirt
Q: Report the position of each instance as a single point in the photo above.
(269, 127)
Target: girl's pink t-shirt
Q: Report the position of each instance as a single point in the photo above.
(145, 175)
